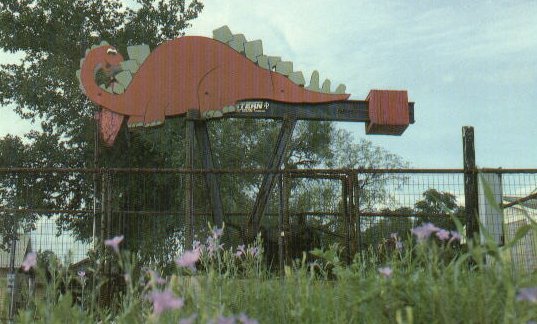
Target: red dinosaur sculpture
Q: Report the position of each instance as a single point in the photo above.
(186, 73)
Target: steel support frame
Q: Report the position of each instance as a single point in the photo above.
(211, 179)
(347, 110)
(190, 135)
(269, 179)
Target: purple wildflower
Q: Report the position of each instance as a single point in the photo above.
(155, 277)
(213, 246)
(225, 320)
(455, 236)
(527, 294)
(245, 320)
(164, 300)
(253, 251)
(397, 240)
(189, 320)
(399, 245)
(442, 235)
(240, 251)
(189, 259)
(217, 232)
(30, 261)
(197, 245)
(424, 231)
(114, 243)
(386, 272)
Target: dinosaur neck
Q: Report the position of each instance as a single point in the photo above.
(94, 92)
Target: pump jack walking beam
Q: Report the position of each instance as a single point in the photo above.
(348, 110)
(224, 77)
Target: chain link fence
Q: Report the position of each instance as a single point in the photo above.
(67, 213)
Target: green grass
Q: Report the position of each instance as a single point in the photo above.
(432, 282)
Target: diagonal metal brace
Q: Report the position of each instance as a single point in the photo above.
(269, 179)
(202, 135)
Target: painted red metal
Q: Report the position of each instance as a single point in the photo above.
(187, 73)
(199, 73)
(388, 112)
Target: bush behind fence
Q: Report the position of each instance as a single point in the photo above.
(69, 212)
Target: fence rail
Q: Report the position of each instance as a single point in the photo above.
(66, 208)
(70, 212)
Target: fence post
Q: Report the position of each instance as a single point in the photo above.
(286, 226)
(352, 213)
(104, 208)
(346, 217)
(105, 292)
(281, 232)
(357, 221)
(470, 182)
(191, 115)
(110, 232)
(12, 278)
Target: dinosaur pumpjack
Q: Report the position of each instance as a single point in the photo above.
(208, 75)
(224, 77)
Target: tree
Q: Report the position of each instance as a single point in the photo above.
(438, 208)
(53, 35)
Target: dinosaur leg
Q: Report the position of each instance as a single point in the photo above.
(135, 121)
(154, 113)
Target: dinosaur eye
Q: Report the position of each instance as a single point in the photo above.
(111, 51)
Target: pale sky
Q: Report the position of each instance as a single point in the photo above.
(462, 62)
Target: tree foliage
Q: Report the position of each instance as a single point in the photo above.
(52, 36)
(438, 208)
(435, 207)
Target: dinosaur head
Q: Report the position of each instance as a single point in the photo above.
(97, 80)
(100, 65)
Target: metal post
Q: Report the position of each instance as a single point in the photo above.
(11, 279)
(95, 180)
(286, 232)
(352, 214)
(104, 195)
(357, 225)
(269, 179)
(281, 232)
(106, 222)
(191, 116)
(211, 179)
(346, 222)
(109, 231)
(470, 182)
(95, 177)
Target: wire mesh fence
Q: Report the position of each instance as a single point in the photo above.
(69, 212)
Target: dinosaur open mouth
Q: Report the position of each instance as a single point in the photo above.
(109, 124)
(108, 75)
